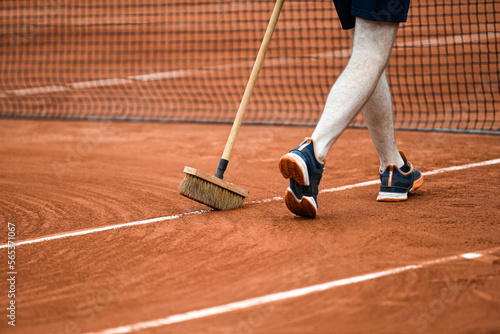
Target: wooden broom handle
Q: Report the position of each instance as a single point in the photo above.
(253, 79)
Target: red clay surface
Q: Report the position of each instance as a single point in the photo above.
(60, 177)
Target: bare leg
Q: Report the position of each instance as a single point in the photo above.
(378, 117)
(372, 47)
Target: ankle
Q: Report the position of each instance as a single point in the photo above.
(398, 162)
(320, 150)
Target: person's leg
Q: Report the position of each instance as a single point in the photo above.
(304, 165)
(398, 177)
(377, 113)
(362, 84)
(372, 45)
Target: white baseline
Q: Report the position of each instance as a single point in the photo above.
(177, 216)
(275, 297)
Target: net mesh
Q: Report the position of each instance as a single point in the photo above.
(189, 61)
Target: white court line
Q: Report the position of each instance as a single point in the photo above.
(164, 75)
(105, 228)
(471, 256)
(455, 168)
(99, 83)
(343, 53)
(448, 40)
(37, 90)
(275, 297)
(154, 220)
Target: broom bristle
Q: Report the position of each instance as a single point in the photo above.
(209, 194)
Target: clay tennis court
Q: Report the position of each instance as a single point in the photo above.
(105, 244)
(192, 259)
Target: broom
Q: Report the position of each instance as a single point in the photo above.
(213, 190)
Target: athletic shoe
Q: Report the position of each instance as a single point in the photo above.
(396, 184)
(304, 170)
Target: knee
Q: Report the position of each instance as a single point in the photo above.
(368, 62)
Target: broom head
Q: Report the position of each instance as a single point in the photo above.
(210, 190)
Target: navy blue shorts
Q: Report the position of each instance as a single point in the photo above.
(374, 10)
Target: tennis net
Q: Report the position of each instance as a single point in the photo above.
(189, 61)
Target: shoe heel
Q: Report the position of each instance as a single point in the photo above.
(292, 167)
(305, 207)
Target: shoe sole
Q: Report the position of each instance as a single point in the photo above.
(399, 197)
(304, 207)
(391, 197)
(294, 167)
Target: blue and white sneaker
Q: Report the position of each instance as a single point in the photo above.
(304, 170)
(397, 184)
